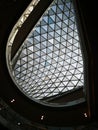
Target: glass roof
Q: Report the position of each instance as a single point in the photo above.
(50, 62)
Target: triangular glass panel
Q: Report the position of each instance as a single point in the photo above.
(36, 49)
(52, 26)
(42, 46)
(58, 38)
(60, 2)
(59, 11)
(50, 29)
(60, 16)
(61, 7)
(29, 51)
(56, 35)
(49, 51)
(70, 22)
(37, 38)
(36, 33)
(51, 12)
(58, 19)
(68, 5)
(43, 38)
(64, 30)
(43, 31)
(65, 17)
(52, 17)
(50, 20)
(54, 8)
(72, 18)
(50, 36)
(45, 28)
(71, 14)
(45, 18)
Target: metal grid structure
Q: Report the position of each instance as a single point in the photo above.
(50, 62)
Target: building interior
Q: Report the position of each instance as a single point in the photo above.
(48, 65)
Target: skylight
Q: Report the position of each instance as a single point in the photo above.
(50, 62)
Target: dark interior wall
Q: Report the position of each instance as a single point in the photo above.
(10, 11)
(2, 127)
(90, 16)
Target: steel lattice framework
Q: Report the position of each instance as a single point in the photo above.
(50, 62)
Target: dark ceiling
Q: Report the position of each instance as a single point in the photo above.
(10, 11)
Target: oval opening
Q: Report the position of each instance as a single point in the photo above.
(48, 67)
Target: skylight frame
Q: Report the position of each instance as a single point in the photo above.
(22, 46)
